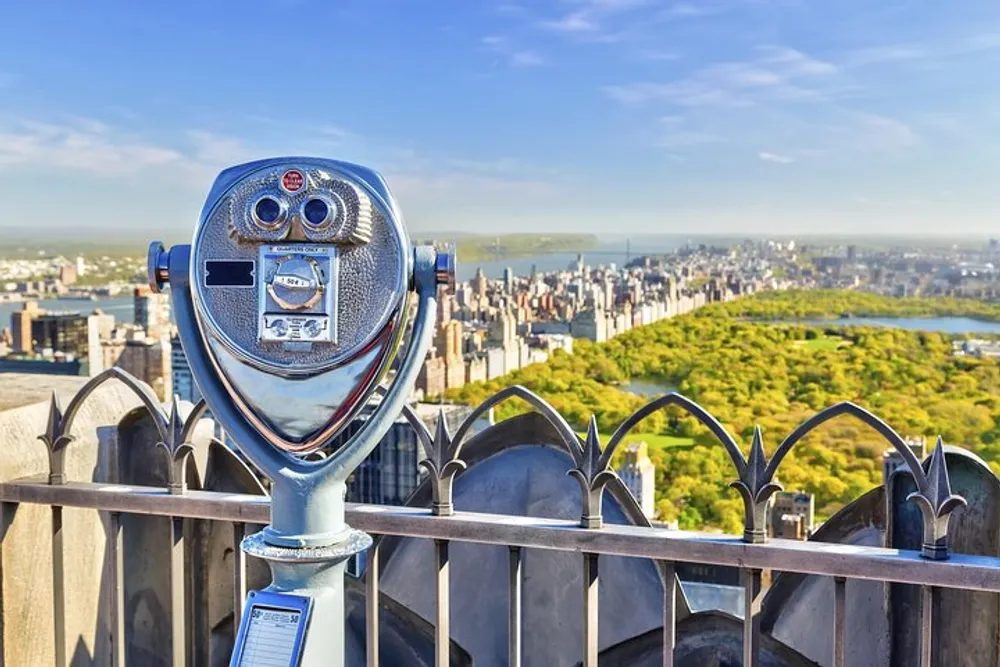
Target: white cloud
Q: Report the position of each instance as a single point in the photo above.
(658, 55)
(792, 62)
(777, 74)
(515, 57)
(216, 150)
(526, 59)
(776, 158)
(929, 51)
(334, 132)
(877, 55)
(689, 10)
(883, 134)
(674, 134)
(589, 18)
(91, 146)
(498, 166)
(84, 145)
(573, 23)
(435, 185)
(686, 93)
(686, 138)
(509, 9)
(950, 124)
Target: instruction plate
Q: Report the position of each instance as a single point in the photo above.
(272, 631)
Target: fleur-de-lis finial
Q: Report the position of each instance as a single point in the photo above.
(936, 505)
(756, 487)
(442, 468)
(56, 442)
(177, 449)
(592, 472)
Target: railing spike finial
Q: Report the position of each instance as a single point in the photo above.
(56, 441)
(936, 505)
(593, 473)
(442, 467)
(756, 486)
(177, 449)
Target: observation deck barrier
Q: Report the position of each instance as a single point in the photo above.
(933, 570)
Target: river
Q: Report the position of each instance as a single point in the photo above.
(605, 252)
(646, 387)
(949, 325)
(120, 307)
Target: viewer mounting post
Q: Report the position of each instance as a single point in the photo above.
(291, 302)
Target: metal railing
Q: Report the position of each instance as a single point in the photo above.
(932, 568)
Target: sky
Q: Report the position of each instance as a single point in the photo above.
(595, 116)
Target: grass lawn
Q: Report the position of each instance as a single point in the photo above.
(653, 439)
(656, 442)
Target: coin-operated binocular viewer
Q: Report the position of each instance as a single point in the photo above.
(291, 302)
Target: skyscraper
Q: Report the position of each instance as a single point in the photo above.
(20, 325)
(152, 311)
(639, 475)
(62, 333)
(183, 382)
(479, 283)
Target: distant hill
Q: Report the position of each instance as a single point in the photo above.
(470, 247)
(513, 246)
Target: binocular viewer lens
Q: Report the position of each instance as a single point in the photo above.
(316, 212)
(268, 211)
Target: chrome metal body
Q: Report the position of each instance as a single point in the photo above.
(301, 369)
(288, 328)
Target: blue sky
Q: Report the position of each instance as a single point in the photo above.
(616, 116)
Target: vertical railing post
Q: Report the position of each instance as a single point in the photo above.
(514, 608)
(239, 575)
(669, 612)
(117, 583)
(839, 617)
(928, 596)
(372, 605)
(178, 643)
(59, 587)
(7, 512)
(590, 609)
(442, 637)
(751, 617)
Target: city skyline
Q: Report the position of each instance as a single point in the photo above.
(730, 117)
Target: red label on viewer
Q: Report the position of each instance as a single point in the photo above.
(292, 180)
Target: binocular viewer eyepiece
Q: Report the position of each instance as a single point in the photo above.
(300, 271)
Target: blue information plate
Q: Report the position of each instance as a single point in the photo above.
(272, 631)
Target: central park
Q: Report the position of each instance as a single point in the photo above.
(750, 362)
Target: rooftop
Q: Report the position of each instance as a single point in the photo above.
(20, 389)
(542, 570)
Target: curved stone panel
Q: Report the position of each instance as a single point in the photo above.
(516, 468)
(798, 608)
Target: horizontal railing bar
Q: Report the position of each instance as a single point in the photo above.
(980, 573)
(135, 499)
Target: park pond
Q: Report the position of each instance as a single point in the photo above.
(949, 325)
(648, 387)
